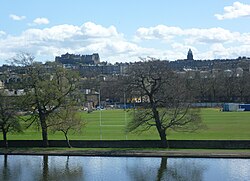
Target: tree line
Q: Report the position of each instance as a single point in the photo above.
(53, 95)
(49, 100)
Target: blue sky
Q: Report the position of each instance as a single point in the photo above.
(125, 30)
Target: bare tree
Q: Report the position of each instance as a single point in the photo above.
(214, 83)
(202, 86)
(167, 104)
(112, 89)
(242, 87)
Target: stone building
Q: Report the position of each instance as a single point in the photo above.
(73, 59)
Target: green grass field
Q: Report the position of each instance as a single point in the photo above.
(220, 126)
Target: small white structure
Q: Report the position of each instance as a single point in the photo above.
(239, 72)
(228, 73)
(230, 107)
(18, 92)
(1, 85)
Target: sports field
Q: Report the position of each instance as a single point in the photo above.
(110, 125)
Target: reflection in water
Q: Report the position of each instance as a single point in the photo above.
(47, 168)
(162, 168)
(183, 170)
(179, 171)
(142, 171)
(5, 170)
(64, 171)
(41, 168)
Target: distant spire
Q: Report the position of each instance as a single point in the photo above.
(190, 55)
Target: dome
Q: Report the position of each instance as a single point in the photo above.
(190, 54)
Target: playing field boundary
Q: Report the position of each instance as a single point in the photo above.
(185, 144)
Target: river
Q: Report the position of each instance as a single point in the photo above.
(74, 168)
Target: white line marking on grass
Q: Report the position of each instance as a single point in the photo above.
(112, 125)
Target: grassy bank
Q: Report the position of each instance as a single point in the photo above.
(111, 126)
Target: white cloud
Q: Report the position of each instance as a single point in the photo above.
(2, 33)
(59, 33)
(87, 32)
(191, 36)
(235, 11)
(112, 46)
(219, 51)
(158, 32)
(40, 21)
(16, 18)
(92, 30)
(211, 35)
(85, 39)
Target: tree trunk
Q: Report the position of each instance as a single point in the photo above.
(161, 131)
(214, 95)
(5, 138)
(163, 137)
(241, 96)
(44, 130)
(66, 137)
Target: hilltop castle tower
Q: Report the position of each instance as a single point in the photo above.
(190, 55)
(74, 59)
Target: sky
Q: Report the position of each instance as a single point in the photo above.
(124, 30)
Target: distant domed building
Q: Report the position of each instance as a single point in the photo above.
(239, 72)
(190, 55)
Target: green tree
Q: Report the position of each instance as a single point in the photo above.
(167, 100)
(47, 89)
(65, 120)
(9, 121)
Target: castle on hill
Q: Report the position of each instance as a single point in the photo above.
(73, 59)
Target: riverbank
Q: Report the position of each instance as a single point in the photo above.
(192, 153)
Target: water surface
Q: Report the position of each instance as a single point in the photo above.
(73, 168)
